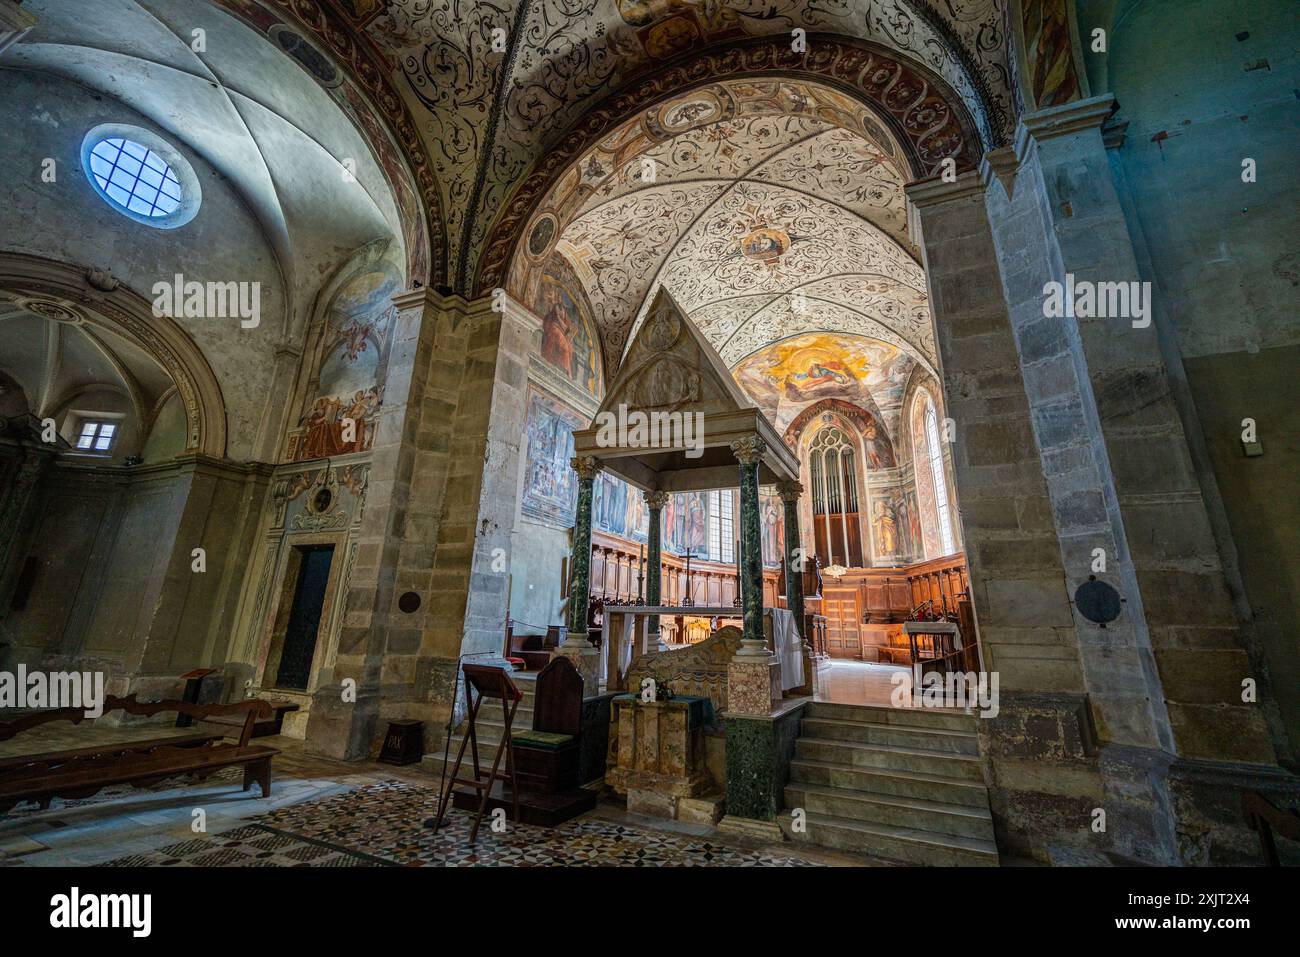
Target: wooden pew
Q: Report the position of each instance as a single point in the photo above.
(81, 772)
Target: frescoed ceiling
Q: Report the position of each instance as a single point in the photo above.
(495, 84)
(768, 208)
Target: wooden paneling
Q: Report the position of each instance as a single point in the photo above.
(843, 637)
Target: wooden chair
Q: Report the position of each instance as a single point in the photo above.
(487, 682)
(547, 757)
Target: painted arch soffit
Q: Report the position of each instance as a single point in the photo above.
(497, 85)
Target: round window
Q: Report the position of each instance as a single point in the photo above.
(140, 175)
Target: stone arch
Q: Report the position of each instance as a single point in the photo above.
(929, 121)
(130, 316)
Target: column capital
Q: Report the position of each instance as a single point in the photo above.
(935, 190)
(789, 491)
(587, 466)
(657, 499)
(749, 449)
(1065, 119)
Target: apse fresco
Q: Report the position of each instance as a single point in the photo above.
(788, 376)
(550, 484)
(340, 417)
(620, 509)
(568, 333)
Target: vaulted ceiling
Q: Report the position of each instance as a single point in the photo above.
(493, 85)
(264, 119)
(768, 208)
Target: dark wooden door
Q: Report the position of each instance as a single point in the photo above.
(304, 618)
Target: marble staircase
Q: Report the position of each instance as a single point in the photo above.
(491, 728)
(902, 784)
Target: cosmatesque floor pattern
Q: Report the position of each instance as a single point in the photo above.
(388, 823)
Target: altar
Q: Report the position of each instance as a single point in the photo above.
(674, 420)
(629, 631)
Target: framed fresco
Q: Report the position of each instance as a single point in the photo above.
(340, 417)
(569, 342)
(550, 485)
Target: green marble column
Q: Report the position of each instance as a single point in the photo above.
(580, 574)
(655, 502)
(790, 492)
(748, 452)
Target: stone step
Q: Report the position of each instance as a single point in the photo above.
(890, 757)
(911, 784)
(903, 717)
(939, 817)
(864, 732)
(905, 844)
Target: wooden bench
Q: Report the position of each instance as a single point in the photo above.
(81, 772)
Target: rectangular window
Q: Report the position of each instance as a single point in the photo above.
(715, 527)
(728, 529)
(96, 436)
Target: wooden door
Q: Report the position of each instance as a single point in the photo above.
(843, 637)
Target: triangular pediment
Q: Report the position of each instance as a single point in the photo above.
(672, 367)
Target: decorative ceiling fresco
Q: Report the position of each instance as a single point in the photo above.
(789, 376)
(503, 93)
(768, 208)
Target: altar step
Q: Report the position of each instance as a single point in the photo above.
(895, 783)
(491, 728)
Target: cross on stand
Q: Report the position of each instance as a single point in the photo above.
(688, 556)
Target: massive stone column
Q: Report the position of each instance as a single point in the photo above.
(1042, 785)
(790, 492)
(407, 474)
(1167, 676)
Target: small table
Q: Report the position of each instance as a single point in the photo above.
(945, 641)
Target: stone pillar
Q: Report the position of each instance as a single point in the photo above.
(790, 492)
(576, 647)
(14, 22)
(1043, 788)
(655, 502)
(345, 708)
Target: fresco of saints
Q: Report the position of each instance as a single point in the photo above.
(886, 528)
(557, 331)
(880, 453)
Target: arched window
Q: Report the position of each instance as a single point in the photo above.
(940, 484)
(833, 470)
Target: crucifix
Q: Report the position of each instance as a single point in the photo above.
(688, 556)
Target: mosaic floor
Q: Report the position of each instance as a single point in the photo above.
(386, 823)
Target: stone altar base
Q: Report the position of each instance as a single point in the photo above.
(586, 661)
(753, 684)
(655, 756)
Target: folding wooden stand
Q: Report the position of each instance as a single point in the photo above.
(488, 682)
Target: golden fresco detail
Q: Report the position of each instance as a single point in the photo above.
(788, 376)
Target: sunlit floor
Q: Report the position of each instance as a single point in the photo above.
(860, 682)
